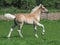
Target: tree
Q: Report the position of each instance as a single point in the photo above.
(38, 2)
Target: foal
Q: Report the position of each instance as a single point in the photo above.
(30, 18)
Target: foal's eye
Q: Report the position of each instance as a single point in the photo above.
(42, 8)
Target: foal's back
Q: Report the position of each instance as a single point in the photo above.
(27, 18)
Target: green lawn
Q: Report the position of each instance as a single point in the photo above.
(52, 36)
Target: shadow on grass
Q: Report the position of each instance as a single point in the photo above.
(10, 37)
(54, 42)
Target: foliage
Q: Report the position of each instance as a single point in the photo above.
(51, 3)
(29, 4)
(8, 1)
(23, 4)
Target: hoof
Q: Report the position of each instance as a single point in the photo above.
(36, 35)
(8, 37)
(21, 36)
(43, 33)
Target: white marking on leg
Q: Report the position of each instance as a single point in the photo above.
(35, 29)
(19, 31)
(43, 31)
(10, 32)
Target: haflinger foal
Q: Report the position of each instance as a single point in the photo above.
(29, 18)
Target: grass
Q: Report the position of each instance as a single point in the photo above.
(14, 10)
(54, 10)
(51, 37)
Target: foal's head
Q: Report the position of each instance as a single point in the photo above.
(40, 8)
(43, 9)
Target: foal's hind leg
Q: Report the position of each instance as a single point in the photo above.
(35, 29)
(13, 26)
(19, 30)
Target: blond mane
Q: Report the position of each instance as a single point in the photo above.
(34, 9)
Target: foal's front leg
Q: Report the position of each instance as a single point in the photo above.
(43, 31)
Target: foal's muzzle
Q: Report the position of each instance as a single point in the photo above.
(46, 12)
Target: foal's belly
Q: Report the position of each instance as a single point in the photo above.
(29, 21)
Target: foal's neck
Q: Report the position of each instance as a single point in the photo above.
(37, 14)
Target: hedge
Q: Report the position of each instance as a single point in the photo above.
(29, 4)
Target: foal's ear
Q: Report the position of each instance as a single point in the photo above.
(40, 5)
